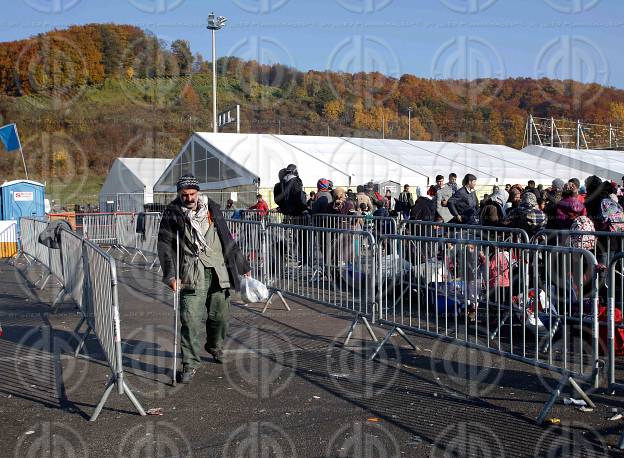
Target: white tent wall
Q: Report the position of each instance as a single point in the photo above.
(127, 181)
(606, 164)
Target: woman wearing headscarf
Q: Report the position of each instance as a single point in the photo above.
(527, 215)
(568, 208)
(342, 205)
(494, 212)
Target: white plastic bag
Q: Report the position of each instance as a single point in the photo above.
(252, 290)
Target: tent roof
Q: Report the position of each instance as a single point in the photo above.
(263, 155)
(147, 170)
(603, 163)
(246, 159)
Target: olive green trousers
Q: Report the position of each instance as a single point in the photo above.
(193, 305)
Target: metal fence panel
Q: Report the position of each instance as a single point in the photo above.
(73, 269)
(251, 238)
(535, 303)
(147, 242)
(463, 231)
(100, 228)
(330, 266)
(105, 317)
(604, 245)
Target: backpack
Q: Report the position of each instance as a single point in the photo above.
(293, 199)
(582, 224)
(612, 215)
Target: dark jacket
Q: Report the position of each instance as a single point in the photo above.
(423, 210)
(173, 222)
(289, 195)
(491, 213)
(322, 203)
(462, 202)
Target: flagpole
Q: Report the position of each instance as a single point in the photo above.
(21, 152)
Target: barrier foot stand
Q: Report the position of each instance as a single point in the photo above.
(128, 392)
(401, 333)
(270, 299)
(109, 387)
(565, 380)
(122, 249)
(139, 252)
(500, 325)
(79, 325)
(15, 261)
(354, 324)
(57, 300)
(82, 341)
(581, 393)
(45, 282)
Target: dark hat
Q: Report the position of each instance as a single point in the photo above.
(187, 182)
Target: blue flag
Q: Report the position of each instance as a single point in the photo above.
(9, 137)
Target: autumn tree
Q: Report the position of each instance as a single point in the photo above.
(111, 52)
(181, 50)
(333, 110)
(617, 113)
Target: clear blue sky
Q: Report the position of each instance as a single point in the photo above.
(581, 39)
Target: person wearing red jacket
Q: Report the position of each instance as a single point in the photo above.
(260, 206)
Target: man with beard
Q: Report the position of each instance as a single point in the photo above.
(210, 263)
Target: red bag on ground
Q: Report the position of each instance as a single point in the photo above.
(604, 329)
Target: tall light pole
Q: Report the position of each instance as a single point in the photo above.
(214, 24)
(409, 127)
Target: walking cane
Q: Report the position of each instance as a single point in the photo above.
(176, 303)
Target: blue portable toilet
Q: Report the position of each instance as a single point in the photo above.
(21, 198)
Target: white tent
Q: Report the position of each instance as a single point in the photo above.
(606, 164)
(130, 183)
(228, 161)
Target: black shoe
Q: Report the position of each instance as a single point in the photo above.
(187, 374)
(216, 353)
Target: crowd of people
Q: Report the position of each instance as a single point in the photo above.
(594, 205)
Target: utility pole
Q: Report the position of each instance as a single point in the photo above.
(409, 111)
(214, 24)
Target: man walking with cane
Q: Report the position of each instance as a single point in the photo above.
(210, 263)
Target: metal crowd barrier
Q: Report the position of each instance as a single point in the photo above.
(463, 231)
(533, 303)
(88, 275)
(615, 332)
(251, 238)
(130, 239)
(100, 228)
(377, 225)
(50, 258)
(615, 307)
(604, 245)
(29, 238)
(74, 284)
(101, 286)
(333, 267)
